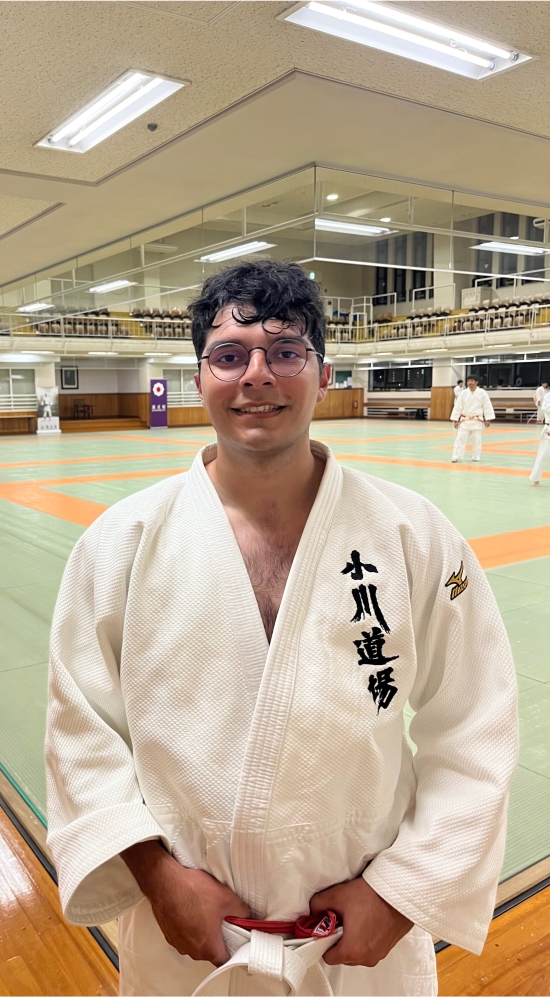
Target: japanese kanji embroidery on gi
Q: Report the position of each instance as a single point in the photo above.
(370, 648)
(458, 582)
(356, 567)
(382, 688)
(363, 607)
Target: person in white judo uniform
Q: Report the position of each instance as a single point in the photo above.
(472, 412)
(459, 386)
(232, 652)
(544, 444)
(538, 398)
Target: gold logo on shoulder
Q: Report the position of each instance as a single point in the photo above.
(458, 582)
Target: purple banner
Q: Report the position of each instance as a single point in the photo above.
(158, 403)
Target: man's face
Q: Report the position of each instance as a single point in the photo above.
(545, 385)
(472, 384)
(260, 411)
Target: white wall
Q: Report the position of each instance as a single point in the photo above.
(103, 381)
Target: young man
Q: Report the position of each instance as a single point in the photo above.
(544, 445)
(472, 411)
(459, 386)
(538, 398)
(232, 651)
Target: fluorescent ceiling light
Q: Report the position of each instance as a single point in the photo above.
(126, 99)
(505, 247)
(332, 197)
(37, 306)
(19, 358)
(393, 30)
(157, 354)
(499, 346)
(243, 250)
(348, 228)
(186, 358)
(385, 219)
(383, 354)
(113, 285)
(102, 353)
(160, 247)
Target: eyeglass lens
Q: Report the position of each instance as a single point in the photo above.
(286, 357)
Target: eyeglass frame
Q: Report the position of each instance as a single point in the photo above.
(291, 339)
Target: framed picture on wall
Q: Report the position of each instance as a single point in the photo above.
(69, 378)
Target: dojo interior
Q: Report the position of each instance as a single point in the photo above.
(415, 196)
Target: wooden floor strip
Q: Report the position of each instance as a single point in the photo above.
(515, 961)
(39, 952)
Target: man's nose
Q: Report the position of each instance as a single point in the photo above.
(258, 370)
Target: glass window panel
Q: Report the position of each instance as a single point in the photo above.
(22, 382)
(5, 388)
(173, 376)
(262, 208)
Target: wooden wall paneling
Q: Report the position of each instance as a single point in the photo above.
(17, 423)
(441, 403)
(134, 405)
(188, 415)
(341, 403)
(115, 405)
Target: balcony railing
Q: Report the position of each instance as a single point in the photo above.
(183, 399)
(350, 321)
(18, 403)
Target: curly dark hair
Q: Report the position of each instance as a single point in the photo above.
(260, 290)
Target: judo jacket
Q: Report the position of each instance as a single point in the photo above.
(282, 768)
(473, 408)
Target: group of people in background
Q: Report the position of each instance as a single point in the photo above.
(473, 411)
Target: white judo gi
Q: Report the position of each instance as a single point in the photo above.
(472, 409)
(281, 768)
(544, 445)
(538, 398)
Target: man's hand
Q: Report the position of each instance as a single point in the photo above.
(189, 905)
(456, 425)
(487, 424)
(371, 925)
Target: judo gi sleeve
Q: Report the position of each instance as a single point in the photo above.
(442, 869)
(457, 409)
(95, 807)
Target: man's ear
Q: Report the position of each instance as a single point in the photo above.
(197, 380)
(324, 381)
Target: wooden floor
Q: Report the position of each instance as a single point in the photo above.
(515, 960)
(40, 954)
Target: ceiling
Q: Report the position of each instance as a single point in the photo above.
(265, 97)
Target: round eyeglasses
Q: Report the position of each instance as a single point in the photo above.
(285, 357)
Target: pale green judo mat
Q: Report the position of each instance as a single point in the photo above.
(49, 488)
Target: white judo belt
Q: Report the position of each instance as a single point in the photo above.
(265, 962)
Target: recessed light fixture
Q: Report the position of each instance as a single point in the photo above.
(332, 197)
(102, 353)
(243, 250)
(126, 99)
(386, 27)
(113, 285)
(505, 247)
(386, 219)
(37, 306)
(348, 228)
